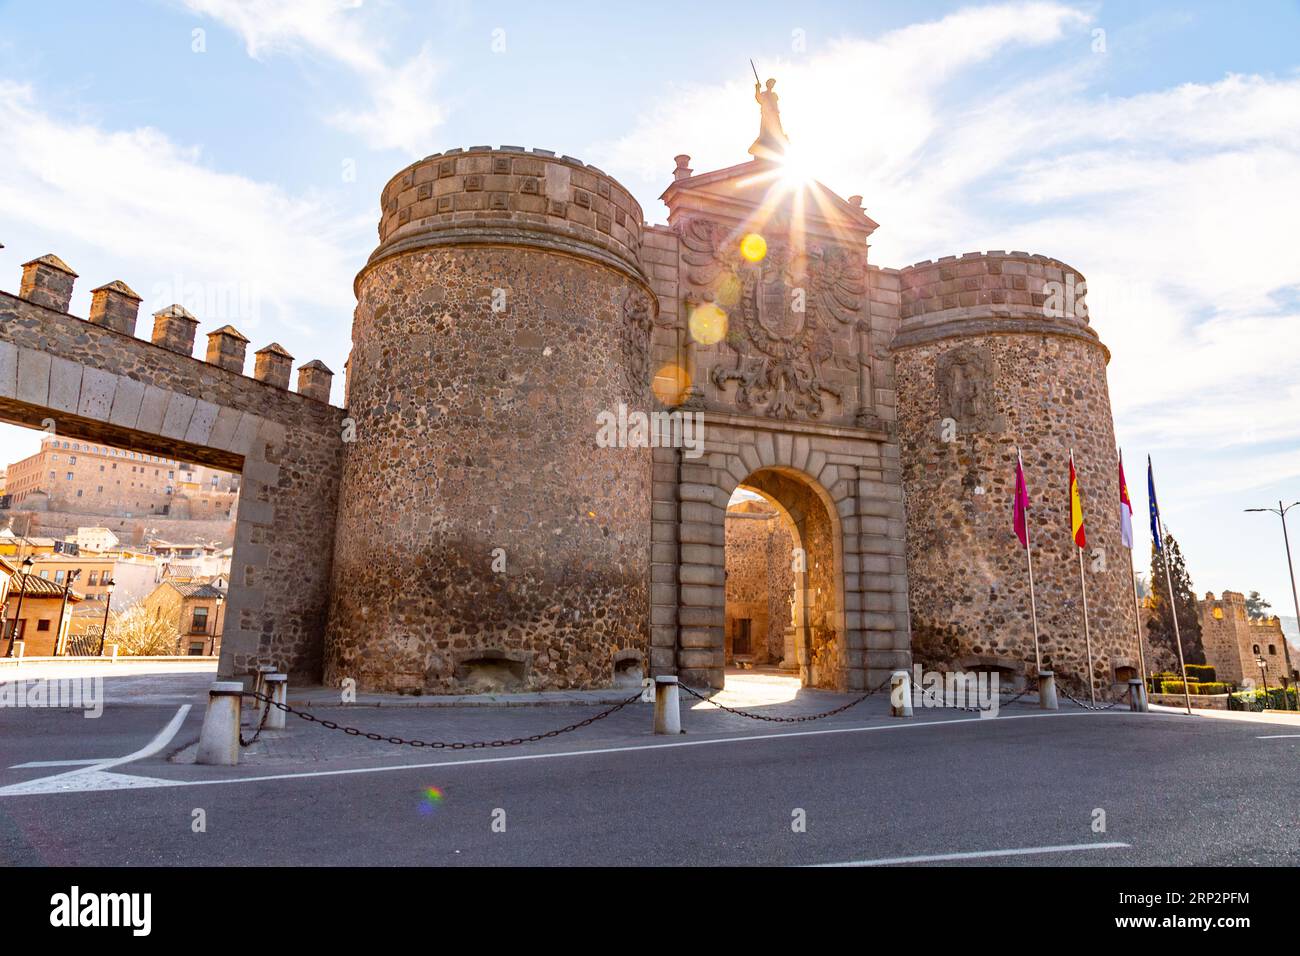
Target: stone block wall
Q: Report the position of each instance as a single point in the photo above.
(484, 349)
(96, 383)
(983, 365)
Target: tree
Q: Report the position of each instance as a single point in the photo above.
(137, 634)
(1256, 606)
(1160, 627)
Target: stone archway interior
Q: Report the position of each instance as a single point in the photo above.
(781, 561)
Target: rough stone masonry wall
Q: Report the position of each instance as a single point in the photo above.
(476, 422)
(760, 581)
(977, 347)
(103, 385)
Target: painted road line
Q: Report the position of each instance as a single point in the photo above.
(56, 763)
(160, 740)
(108, 781)
(1278, 737)
(979, 854)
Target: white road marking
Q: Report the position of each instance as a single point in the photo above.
(56, 763)
(1277, 737)
(160, 740)
(979, 854)
(35, 786)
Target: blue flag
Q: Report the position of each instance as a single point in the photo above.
(1155, 508)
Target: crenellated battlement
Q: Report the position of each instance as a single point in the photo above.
(991, 292)
(48, 282)
(509, 195)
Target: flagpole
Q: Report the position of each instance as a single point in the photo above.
(1087, 634)
(1137, 620)
(1029, 560)
(1083, 588)
(1159, 529)
(1132, 575)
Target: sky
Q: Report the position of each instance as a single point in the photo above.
(229, 154)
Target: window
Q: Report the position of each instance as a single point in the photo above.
(58, 577)
(1272, 649)
(93, 580)
(72, 459)
(78, 492)
(69, 476)
(43, 625)
(45, 575)
(1256, 650)
(200, 621)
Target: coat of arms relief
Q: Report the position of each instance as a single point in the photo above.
(784, 311)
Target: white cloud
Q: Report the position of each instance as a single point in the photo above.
(402, 113)
(168, 225)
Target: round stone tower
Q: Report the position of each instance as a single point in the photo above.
(994, 350)
(486, 539)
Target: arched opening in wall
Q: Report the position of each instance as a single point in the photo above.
(784, 588)
(102, 551)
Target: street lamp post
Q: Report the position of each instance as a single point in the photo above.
(108, 602)
(1281, 511)
(67, 587)
(216, 625)
(18, 614)
(1263, 672)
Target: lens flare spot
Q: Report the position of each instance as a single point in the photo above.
(708, 324)
(670, 385)
(429, 800)
(753, 247)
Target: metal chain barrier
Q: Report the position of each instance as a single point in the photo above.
(432, 744)
(1113, 703)
(786, 720)
(266, 712)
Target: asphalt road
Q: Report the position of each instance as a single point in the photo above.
(1176, 790)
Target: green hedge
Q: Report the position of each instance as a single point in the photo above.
(1193, 687)
(1201, 672)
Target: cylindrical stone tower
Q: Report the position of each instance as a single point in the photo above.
(994, 351)
(486, 539)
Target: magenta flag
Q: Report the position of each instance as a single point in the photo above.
(1022, 504)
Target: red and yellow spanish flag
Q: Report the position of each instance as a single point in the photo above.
(1076, 508)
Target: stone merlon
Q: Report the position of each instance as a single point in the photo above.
(273, 365)
(173, 329)
(226, 348)
(314, 380)
(47, 281)
(115, 305)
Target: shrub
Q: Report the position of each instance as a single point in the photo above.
(137, 634)
(1201, 672)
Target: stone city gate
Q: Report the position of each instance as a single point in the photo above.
(93, 380)
(477, 525)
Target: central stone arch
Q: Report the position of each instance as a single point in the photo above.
(806, 469)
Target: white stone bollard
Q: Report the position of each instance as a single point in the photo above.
(219, 739)
(277, 688)
(1137, 696)
(259, 678)
(19, 647)
(668, 714)
(900, 694)
(1047, 691)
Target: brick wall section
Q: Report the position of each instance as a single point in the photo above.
(101, 385)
